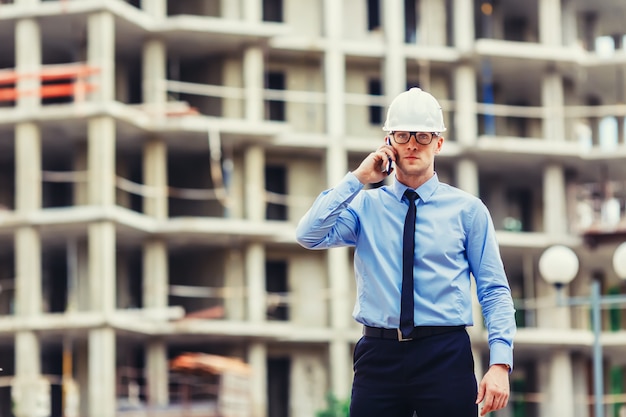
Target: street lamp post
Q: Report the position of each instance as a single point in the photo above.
(559, 265)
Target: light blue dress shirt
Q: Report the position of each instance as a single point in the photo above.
(454, 238)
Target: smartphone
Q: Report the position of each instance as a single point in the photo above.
(389, 163)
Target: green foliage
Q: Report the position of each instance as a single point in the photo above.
(335, 407)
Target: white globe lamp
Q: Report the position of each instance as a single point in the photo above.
(619, 261)
(558, 265)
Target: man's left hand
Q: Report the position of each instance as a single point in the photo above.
(494, 390)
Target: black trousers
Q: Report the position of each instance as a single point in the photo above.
(433, 377)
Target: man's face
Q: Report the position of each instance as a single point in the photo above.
(413, 158)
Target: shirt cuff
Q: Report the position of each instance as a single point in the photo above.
(501, 353)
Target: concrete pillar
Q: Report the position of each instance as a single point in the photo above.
(27, 3)
(157, 373)
(255, 282)
(154, 76)
(467, 176)
(550, 28)
(28, 300)
(554, 200)
(101, 250)
(552, 99)
(101, 235)
(463, 26)
(254, 171)
(253, 80)
(155, 8)
(102, 397)
(308, 383)
(561, 384)
(334, 75)
(466, 120)
(252, 10)
(433, 23)
(155, 276)
(570, 24)
(101, 53)
(101, 161)
(231, 9)
(234, 279)
(155, 295)
(340, 360)
(28, 385)
(102, 262)
(257, 358)
(28, 61)
(394, 70)
(27, 168)
(155, 177)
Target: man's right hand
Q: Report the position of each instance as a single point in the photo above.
(372, 169)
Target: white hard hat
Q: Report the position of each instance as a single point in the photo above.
(414, 111)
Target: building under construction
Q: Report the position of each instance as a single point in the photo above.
(156, 155)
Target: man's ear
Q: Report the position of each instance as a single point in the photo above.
(440, 140)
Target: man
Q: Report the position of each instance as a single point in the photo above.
(413, 262)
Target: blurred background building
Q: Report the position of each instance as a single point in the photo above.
(156, 155)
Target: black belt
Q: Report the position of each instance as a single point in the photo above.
(419, 332)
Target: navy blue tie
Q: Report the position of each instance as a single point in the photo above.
(407, 305)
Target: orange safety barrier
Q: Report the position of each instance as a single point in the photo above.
(75, 73)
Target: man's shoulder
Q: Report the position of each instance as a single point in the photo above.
(448, 190)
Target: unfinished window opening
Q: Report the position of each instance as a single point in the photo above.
(7, 280)
(190, 174)
(54, 279)
(373, 15)
(376, 112)
(195, 276)
(276, 285)
(519, 210)
(56, 191)
(278, 382)
(194, 7)
(130, 374)
(518, 126)
(273, 10)
(129, 88)
(52, 364)
(483, 20)
(275, 109)
(129, 279)
(129, 168)
(276, 184)
(7, 185)
(6, 404)
(411, 21)
(516, 28)
(205, 70)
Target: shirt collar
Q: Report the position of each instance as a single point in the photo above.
(425, 190)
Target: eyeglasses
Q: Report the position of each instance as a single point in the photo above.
(421, 137)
